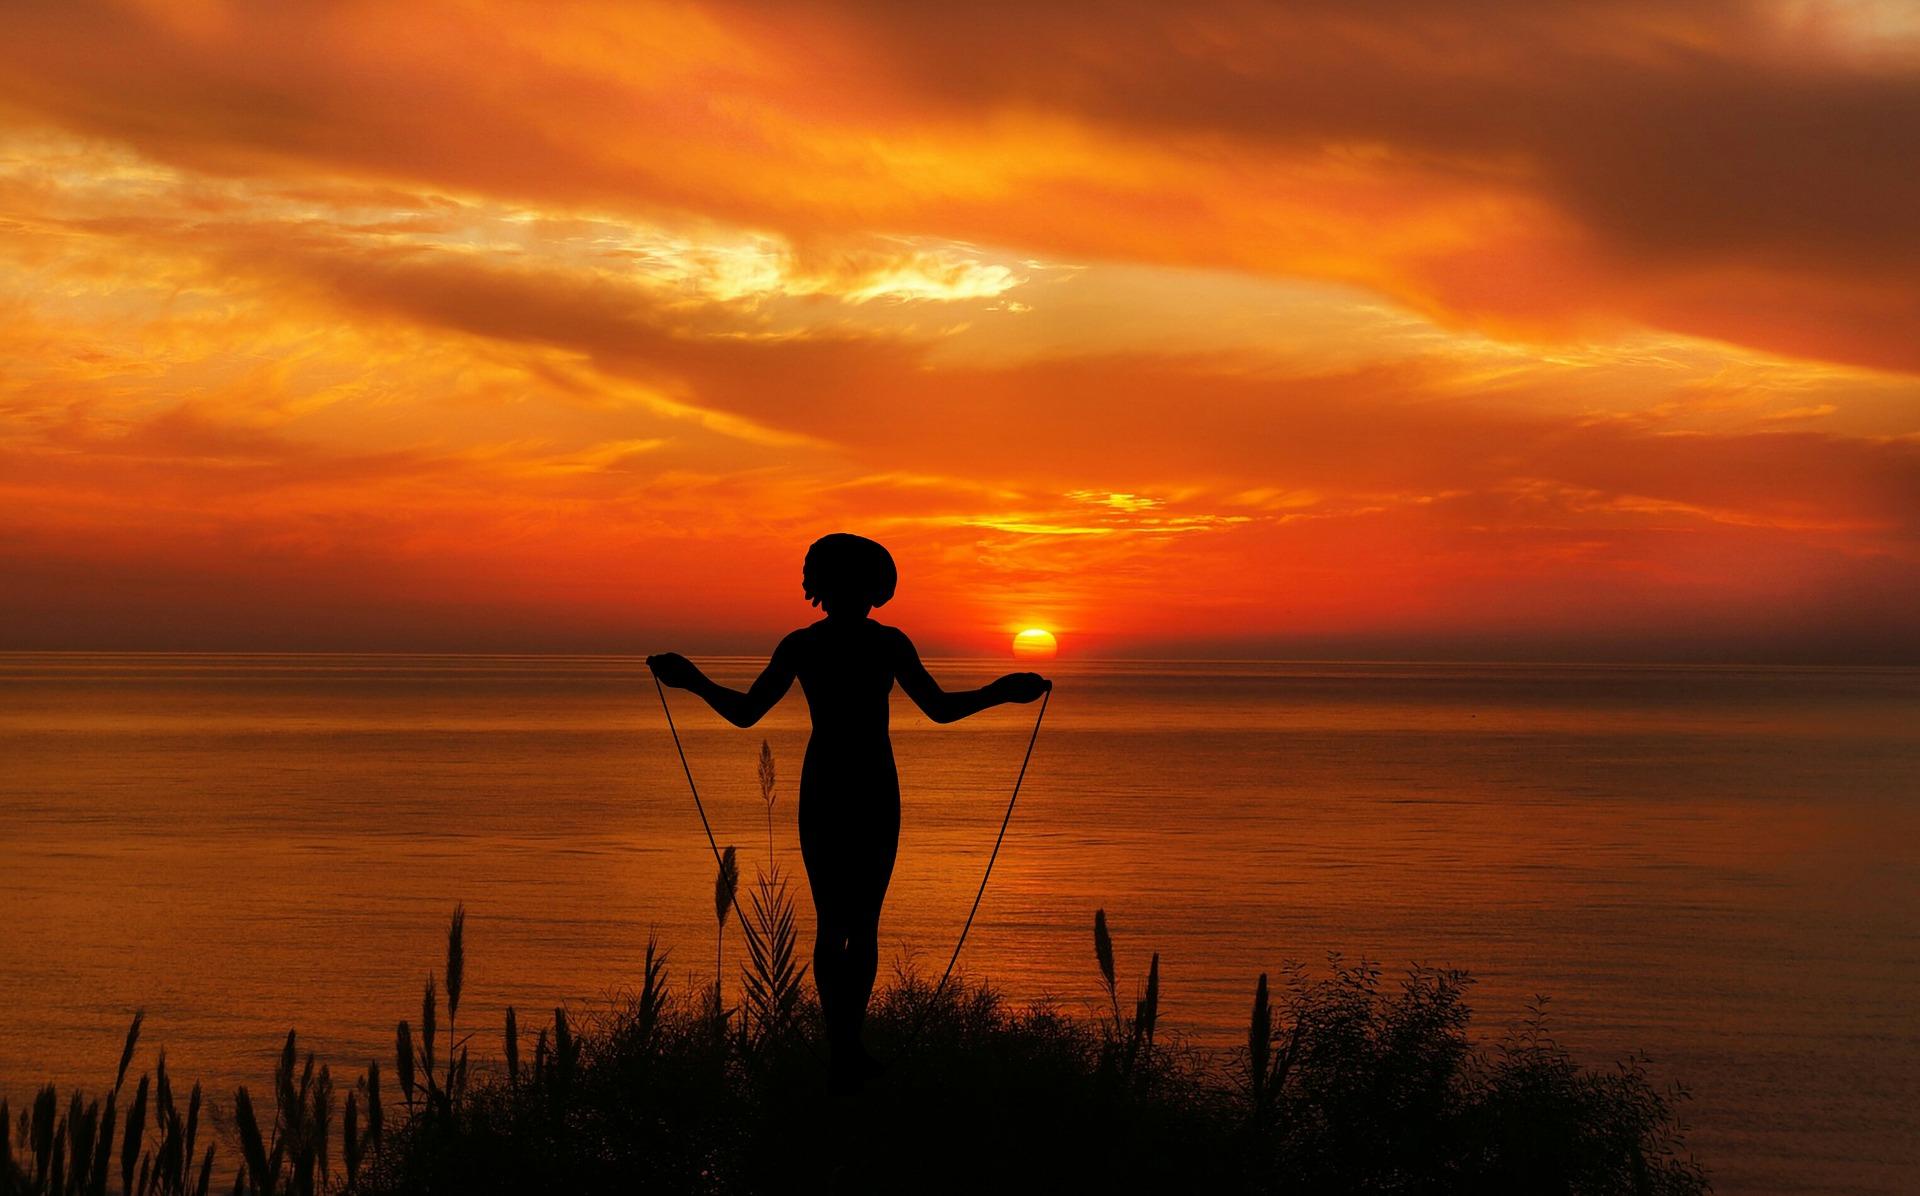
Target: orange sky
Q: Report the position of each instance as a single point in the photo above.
(1378, 327)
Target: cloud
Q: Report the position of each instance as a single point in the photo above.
(1320, 325)
(1727, 168)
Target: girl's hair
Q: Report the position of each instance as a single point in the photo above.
(845, 569)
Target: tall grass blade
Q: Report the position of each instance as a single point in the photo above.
(726, 885)
(251, 1144)
(1103, 954)
(136, 1126)
(1259, 1045)
(513, 1048)
(206, 1174)
(653, 989)
(772, 980)
(126, 1052)
(193, 1119)
(403, 1056)
(322, 1120)
(428, 1005)
(456, 962)
(373, 1100)
(284, 1098)
(79, 1140)
(42, 1133)
(162, 1089)
(103, 1146)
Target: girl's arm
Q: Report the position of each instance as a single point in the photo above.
(943, 707)
(740, 709)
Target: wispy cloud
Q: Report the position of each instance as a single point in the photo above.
(1390, 319)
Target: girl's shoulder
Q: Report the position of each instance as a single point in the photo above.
(819, 630)
(894, 641)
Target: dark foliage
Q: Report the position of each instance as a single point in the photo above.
(1346, 1084)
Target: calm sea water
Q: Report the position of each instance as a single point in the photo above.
(1717, 867)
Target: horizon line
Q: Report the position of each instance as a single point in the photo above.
(1513, 662)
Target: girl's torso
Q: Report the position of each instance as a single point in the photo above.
(846, 671)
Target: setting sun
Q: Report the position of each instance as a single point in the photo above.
(1035, 643)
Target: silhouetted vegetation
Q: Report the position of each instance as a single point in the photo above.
(1346, 1083)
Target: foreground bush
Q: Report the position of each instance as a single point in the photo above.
(1346, 1084)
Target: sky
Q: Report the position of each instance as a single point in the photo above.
(1335, 328)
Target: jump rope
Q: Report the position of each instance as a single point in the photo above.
(714, 844)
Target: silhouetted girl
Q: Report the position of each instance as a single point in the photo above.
(849, 789)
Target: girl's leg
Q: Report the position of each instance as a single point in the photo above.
(830, 971)
(861, 964)
(826, 881)
(862, 960)
(849, 865)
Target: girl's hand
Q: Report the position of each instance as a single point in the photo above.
(674, 670)
(1022, 687)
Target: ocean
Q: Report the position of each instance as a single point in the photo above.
(1718, 868)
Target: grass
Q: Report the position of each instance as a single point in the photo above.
(1346, 1082)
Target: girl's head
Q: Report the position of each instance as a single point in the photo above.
(848, 572)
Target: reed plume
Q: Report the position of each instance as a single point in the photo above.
(193, 1122)
(456, 963)
(513, 1048)
(428, 1011)
(766, 791)
(41, 1134)
(126, 1052)
(653, 991)
(1146, 1015)
(403, 1056)
(771, 981)
(79, 1137)
(252, 1146)
(374, 1112)
(1103, 954)
(726, 884)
